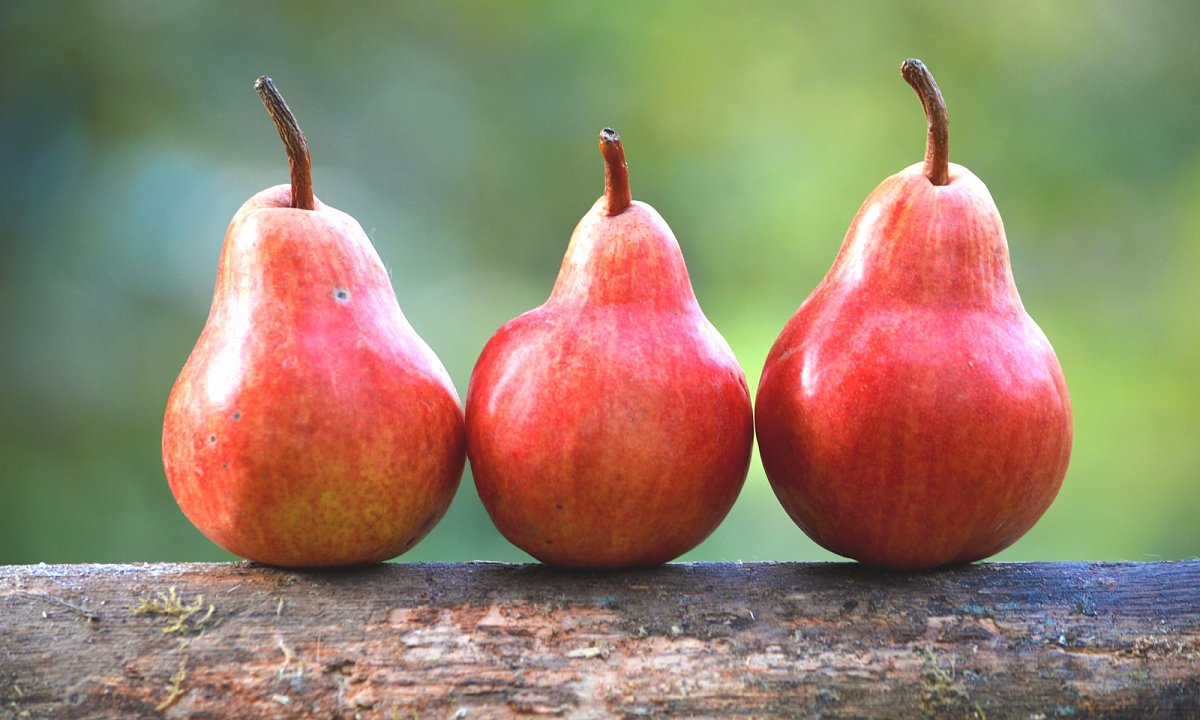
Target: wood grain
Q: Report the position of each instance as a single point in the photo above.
(481, 640)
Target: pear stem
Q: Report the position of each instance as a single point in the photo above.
(937, 144)
(293, 139)
(616, 173)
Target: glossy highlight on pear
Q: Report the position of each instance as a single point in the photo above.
(610, 427)
(311, 426)
(912, 414)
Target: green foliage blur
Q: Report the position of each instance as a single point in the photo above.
(462, 135)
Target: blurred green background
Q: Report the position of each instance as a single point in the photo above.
(462, 135)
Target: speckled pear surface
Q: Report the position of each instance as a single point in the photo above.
(311, 426)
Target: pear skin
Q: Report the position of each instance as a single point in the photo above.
(311, 426)
(610, 427)
(912, 414)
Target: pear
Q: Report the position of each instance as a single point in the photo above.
(311, 426)
(911, 414)
(610, 427)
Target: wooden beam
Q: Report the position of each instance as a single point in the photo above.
(482, 640)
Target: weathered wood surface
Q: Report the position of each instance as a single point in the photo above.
(483, 640)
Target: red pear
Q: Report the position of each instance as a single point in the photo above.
(610, 427)
(311, 426)
(911, 414)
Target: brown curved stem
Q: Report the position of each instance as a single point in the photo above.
(293, 139)
(616, 173)
(937, 144)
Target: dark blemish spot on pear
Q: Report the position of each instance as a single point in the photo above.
(558, 506)
(341, 295)
(237, 416)
(549, 541)
(224, 466)
(428, 523)
(409, 542)
(212, 438)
